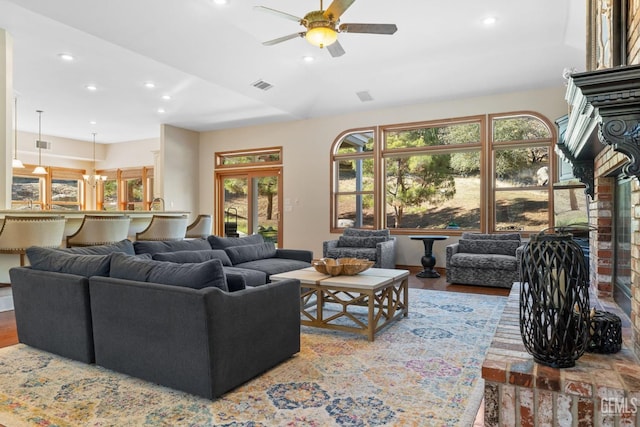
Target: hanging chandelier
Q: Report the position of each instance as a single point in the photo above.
(93, 180)
(39, 170)
(16, 163)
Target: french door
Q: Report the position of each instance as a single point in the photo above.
(249, 202)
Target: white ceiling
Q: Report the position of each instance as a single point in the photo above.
(206, 57)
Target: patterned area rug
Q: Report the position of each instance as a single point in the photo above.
(422, 370)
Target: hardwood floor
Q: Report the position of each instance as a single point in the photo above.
(8, 333)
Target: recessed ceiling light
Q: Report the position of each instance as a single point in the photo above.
(149, 85)
(489, 20)
(308, 58)
(66, 56)
(91, 87)
(160, 110)
(93, 122)
(221, 2)
(166, 97)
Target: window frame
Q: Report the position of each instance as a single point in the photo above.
(549, 143)
(486, 146)
(334, 175)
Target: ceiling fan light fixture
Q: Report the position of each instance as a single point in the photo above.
(321, 36)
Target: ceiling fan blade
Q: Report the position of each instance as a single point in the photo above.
(335, 49)
(337, 8)
(283, 39)
(277, 12)
(368, 28)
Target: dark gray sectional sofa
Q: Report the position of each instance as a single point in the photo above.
(247, 261)
(175, 324)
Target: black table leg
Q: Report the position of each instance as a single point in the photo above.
(428, 261)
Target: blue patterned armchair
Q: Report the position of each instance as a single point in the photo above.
(375, 245)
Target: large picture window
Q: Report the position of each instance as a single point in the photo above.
(481, 173)
(432, 175)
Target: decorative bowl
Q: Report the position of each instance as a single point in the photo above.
(344, 266)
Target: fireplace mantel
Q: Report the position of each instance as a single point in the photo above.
(607, 101)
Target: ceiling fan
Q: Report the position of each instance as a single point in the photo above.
(322, 26)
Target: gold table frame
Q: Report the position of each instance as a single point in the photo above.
(385, 293)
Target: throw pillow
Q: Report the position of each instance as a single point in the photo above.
(202, 275)
(486, 246)
(194, 256)
(61, 262)
(154, 247)
(359, 232)
(246, 253)
(360, 242)
(227, 242)
(125, 246)
(479, 236)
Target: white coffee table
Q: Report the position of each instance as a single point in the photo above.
(385, 293)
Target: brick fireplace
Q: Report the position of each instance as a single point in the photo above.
(601, 139)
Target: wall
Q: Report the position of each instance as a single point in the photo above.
(127, 154)
(306, 145)
(179, 152)
(6, 115)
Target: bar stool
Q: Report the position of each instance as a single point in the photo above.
(164, 227)
(100, 230)
(21, 232)
(201, 227)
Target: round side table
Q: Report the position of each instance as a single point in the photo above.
(428, 260)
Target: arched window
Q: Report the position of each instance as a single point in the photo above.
(521, 150)
(353, 180)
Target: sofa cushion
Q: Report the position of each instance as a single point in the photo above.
(360, 242)
(62, 262)
(244, 276)
(273, 265)
(484, 261)
(227, 242)
(486, 246)
(360, 232)
(362, 253)
(194, 256)
(480, 236)
(125, 246)
(154, 247)
(202, 275)
(246, 253)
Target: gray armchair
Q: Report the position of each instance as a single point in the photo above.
(485, 259)
(375, 245)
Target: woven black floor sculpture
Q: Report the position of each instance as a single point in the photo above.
(554, 300)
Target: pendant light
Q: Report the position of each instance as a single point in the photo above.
(39, 170)
(16, 163)
(93, 180)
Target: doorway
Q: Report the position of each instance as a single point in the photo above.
(249, 202)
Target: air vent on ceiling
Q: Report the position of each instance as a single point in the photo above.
(45, 145)
(262, 85)
(364, 96)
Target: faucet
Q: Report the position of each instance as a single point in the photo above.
(29, 204)
(157, 199)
